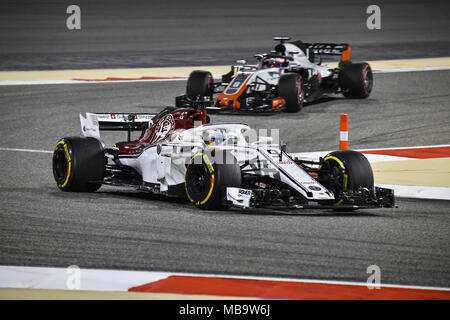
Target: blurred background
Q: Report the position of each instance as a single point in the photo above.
(117, 34)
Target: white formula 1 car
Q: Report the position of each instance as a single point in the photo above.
(282, 80)
(181, 154)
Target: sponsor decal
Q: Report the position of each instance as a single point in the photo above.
(237, 83)
(244, 192)
(314, 188)
(239, 197)
(163, 127)
(86, 129)
(285, 162)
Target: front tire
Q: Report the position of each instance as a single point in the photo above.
(200, 84)
(356, 80)
(346, 171)
(77, 163)
(290, 88)
(206, 182)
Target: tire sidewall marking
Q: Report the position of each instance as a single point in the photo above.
(365, 73)
(69, 161)
(213, 179)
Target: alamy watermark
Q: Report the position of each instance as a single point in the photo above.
(218, 142)
(374, 280)
(374, 20)
(73, 21)
(73, 281)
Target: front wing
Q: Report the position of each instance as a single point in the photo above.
(185, 102)
(364, 198)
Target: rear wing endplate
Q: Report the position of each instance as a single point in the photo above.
(93, 123)
(331, 49)
(327, 49)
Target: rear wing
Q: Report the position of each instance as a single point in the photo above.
(93, 123)
(327, 49)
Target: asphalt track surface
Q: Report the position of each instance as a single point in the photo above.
(116, 229)
(42, 226)
(129, 34)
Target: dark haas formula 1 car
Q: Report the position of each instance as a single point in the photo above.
(180, 154)
(282, 80)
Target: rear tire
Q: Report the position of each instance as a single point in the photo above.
(77, 162)
(206, 182)
(356, 80)
(351, 170)
(200, 84)
(290, 88)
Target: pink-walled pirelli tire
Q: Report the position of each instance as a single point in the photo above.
(206, 181)
(78, 164)
(290, 88)
(356, 80)
(200, 84)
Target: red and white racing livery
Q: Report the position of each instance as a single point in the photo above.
(284, 79)
(179, 153)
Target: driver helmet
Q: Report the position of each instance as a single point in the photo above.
(276, 62)
(214, 137)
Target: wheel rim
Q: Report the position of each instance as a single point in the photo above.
(300, 94)
(335, 180)
(60, 165)
(368, 80)
(210, 86)
(199, 181)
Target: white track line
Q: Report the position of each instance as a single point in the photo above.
(37, 82)
(401, 148)
(419, 192)
(407, 69)
(25, 150)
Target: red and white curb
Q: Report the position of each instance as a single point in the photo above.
(209, 284)
(400, 154)
(181, 73)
